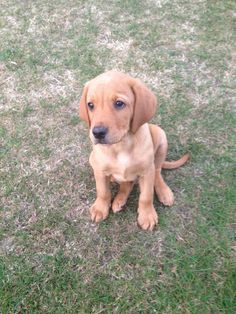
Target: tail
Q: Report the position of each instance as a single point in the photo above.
(177, 163)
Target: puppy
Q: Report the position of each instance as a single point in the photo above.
(116, 108)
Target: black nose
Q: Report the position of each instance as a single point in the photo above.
(100, 132)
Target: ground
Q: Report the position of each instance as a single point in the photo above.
(53, 259)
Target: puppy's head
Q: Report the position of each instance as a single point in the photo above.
(113, 104)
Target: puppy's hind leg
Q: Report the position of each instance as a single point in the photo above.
(122, 196)
(164, 193)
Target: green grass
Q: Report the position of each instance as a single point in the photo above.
(52, 258)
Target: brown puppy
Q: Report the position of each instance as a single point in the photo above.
(117, 108)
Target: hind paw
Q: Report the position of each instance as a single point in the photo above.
(166, 196)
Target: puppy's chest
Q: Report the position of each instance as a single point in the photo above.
(123, 166)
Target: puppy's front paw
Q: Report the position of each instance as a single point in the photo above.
(147, 218)
(99, 211)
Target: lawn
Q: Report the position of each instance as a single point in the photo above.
(53, 259)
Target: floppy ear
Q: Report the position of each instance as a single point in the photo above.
(144, 105)
(83, 110)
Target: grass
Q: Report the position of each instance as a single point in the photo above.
(52, 258)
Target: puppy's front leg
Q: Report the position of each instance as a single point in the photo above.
(147, 216)
(100, 209)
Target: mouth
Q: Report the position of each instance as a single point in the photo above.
(108, 139)
(100, 141)
(105, 141)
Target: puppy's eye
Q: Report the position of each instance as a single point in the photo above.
(90, 105)
(119, 104)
